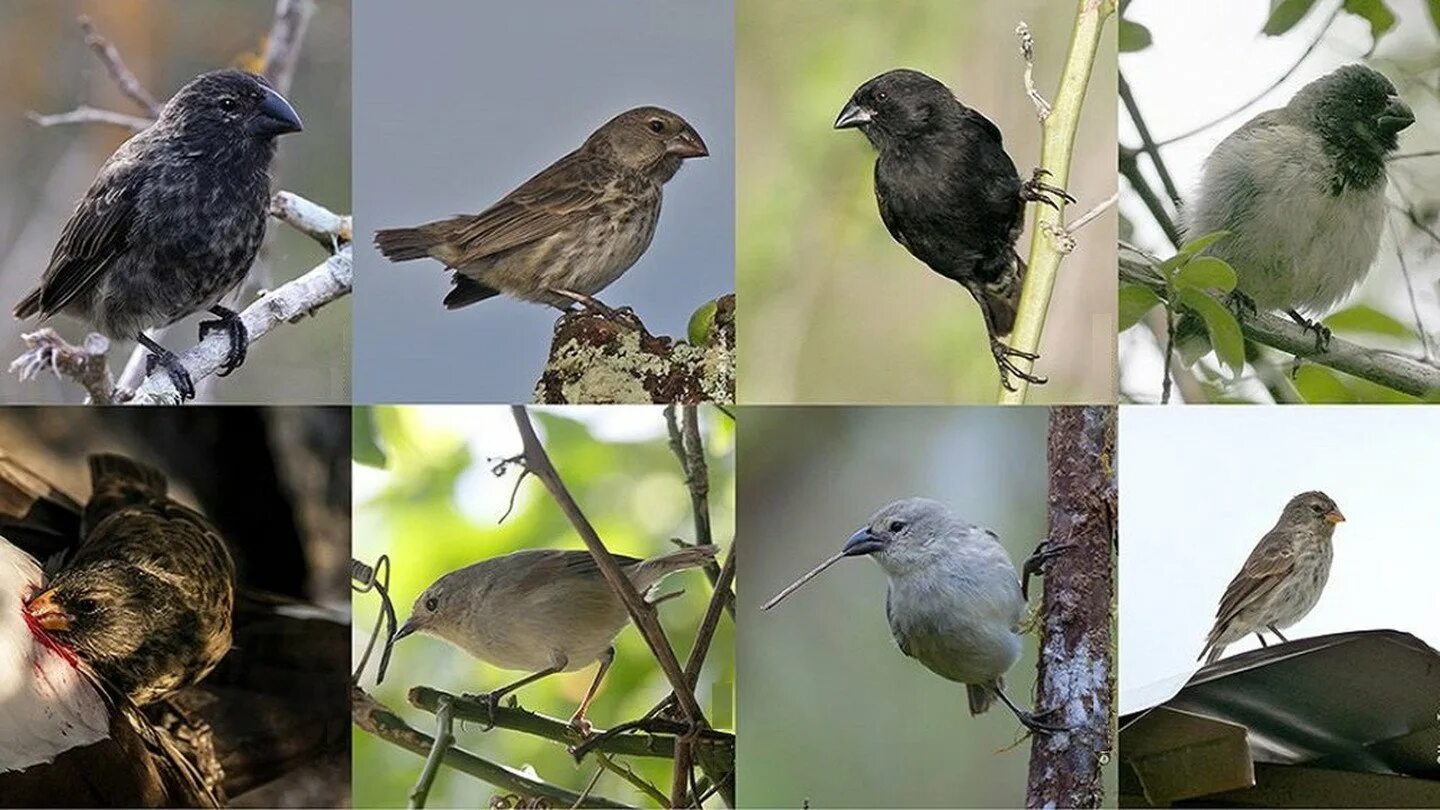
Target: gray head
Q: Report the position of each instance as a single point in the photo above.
(1359, 115)
(907, 533)
(433, 609)
(1313, 510)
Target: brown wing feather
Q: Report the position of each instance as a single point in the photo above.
(561, 196)
(95, 234)
(1269, 564)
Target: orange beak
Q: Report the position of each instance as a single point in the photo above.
(1334, 516)
(47, 614)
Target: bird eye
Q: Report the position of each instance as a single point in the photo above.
(431, 604)
(228, 104)
(1317, 508)
(881, 96)
(86, 607)
(656, 125)
(896, 525)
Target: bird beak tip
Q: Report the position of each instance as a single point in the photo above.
(47, 614)
(1334, 516)
(688, 145)
(852, 116)
(861, 543)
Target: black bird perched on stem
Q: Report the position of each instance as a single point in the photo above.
(173, 220)
(950, 194)
(568, 232)
(147, 600)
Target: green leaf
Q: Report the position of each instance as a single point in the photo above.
(1284, 14)
(1206, 273)
(1435, 13)
(1189, 251)
(1381, 18)
(364, 448)
(1224, 330)
(1368, 319)
(1320, 385)
(1136, 37)
(1135, 301)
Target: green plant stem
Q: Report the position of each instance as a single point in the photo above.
(444, 738)
(1057, 143)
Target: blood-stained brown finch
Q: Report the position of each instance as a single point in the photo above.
(569, 231)
(1282, 579)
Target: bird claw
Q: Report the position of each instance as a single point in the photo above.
(1031, 720)
(483, 697)
(1322, 332)
(582, 726)
(1007, 367)
(234, 328)
(1242, 305)
(624, 316)
(1037, 190)
(161, 356)
(1034, 565)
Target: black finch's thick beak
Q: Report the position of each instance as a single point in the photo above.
(853, 116)
(49, 615)
(1396, 116)
(405, 629)
(275, 116)
(861, 543)
(687, 144)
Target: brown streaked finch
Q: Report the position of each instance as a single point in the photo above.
(541, 611)
(568, 232)
(1282, 578)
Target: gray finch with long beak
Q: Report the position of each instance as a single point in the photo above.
(954, 603)
(541, 611)
(1282, 579)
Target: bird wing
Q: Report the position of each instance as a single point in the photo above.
(556, 198)
(985, 124)
(895, 629)
(1272, 560)
(96, 233)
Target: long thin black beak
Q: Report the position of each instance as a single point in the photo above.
(861, 543)
(275, 116)
(1397, 115)
(853, 116)
(405, 629)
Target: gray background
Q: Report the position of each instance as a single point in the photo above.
(459, 102)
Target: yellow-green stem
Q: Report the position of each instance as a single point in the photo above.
(1058, 140)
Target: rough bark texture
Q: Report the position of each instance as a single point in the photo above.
(1076, 672)
(597, 360)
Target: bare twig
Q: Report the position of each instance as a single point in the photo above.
(84, 364)
(1148, 146)
(1093, 213)
(444, 738)
(1027, 52)
(375, 718)
(282, 46)
(90, 115)
(119, 73)
(315, 221)
(689, 451)
(624, 772)
(376, 578)
(708, 624)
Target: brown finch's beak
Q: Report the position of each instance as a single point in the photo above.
(686, 144)
(47, 614)
(1334, 516)
(405, 629)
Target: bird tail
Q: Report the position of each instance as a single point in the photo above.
(405, 244)
(29, 305)
(1001, 298)
(648, 574)
(982, 695)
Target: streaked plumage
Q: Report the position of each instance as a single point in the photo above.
(577, 226)
(1282, 579)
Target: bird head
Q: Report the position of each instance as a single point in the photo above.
(1314, 509)
(427, 614)
(1357, 111)
(230, 102)
(102, 612)
(902, 535)
(650, 140)
(896, 106)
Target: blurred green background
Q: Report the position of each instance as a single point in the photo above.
(833, 309)
(44, 171)
(433, 508)
(830, 710)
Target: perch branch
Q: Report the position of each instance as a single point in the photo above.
(689, 451)
(444, 738)
(109, 56)
(90, 115)
(376, 719)
(1075, 682)
(1057, 142)
(1404, 374)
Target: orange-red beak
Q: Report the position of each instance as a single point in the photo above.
(1334, 516)
(47, 614)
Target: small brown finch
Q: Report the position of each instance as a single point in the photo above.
(540, 611)
(569, 231)
(1282, 579)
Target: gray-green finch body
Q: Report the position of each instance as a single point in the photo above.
(541, 611)
(1283, 577)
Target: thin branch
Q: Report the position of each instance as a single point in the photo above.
(1405, 374)
(375, 718)
(1130, 170)
(706, 634)
(690, 453)
(1409, 155)
(282, 46)
(109, 56)
(1057, 144)
(86, 364)
(624, 772)
(1148, 147)
(90, 115)
(285, 304)
(315, 221)
(1410, 291)
(1027, 52)
(444, 738)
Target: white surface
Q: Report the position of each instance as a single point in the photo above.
(1200, 486)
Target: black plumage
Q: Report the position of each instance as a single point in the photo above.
(949, 193)
(173, 220)
(148, 597)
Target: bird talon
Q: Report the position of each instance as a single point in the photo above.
(163, 357)
(1007, 367)
(238, 335)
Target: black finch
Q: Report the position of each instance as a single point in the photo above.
(147, 599)
(568, 232)
(173, 220)
(949, 193)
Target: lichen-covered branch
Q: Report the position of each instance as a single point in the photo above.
(597, 359)
(1076, 665)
